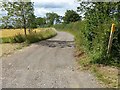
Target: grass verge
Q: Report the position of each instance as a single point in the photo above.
(90, 56)
(107, 75)
(8, 48)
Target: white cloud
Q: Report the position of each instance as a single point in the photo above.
(44, 6)
(41, 11)
(58, 6)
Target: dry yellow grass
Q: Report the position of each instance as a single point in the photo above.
(7, 49)
(13, 32)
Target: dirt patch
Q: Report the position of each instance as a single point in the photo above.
(10, 48)
(109, 75)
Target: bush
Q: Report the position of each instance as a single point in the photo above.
(32, 38)
(95, 42)
(17, 39)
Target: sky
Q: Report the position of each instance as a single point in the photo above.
(57, 6)
(41, 7)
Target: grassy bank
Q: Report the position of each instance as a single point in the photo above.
(30, 38)
(91, 50)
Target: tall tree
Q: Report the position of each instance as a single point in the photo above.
(98, 12)
(20, 12)
(71, 16)
(31, 22)
(40, 21)
(51, 18)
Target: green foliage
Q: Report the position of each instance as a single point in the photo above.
(113, 58)
(40, 22)
(32, 38)
(51, 18)
(6, 21)
(19, 14)
(71, 16)
(99, 17)
(96, 50)
(17, 39)
(92, 34)
(32, 22)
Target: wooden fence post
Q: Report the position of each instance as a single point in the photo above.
(111, 38)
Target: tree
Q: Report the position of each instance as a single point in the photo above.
(40, 21)
(71, 16)
(31, 22)
(6, 21)
(99, 17)
(98, 12)
(51, 18)
(20, 12)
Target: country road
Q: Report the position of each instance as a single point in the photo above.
(47, 64)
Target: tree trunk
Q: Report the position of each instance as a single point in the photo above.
(29, 30)
(24, 25)
(25, 31)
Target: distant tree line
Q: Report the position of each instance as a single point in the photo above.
(21, 15)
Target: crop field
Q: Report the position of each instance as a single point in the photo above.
(13, 32)
(11, 43)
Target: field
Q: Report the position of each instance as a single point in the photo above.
(13, 32)
(14, 39)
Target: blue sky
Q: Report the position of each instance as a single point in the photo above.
(58, 6)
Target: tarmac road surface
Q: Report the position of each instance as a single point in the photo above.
(47, 64)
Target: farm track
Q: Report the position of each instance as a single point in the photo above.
(47, 64)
